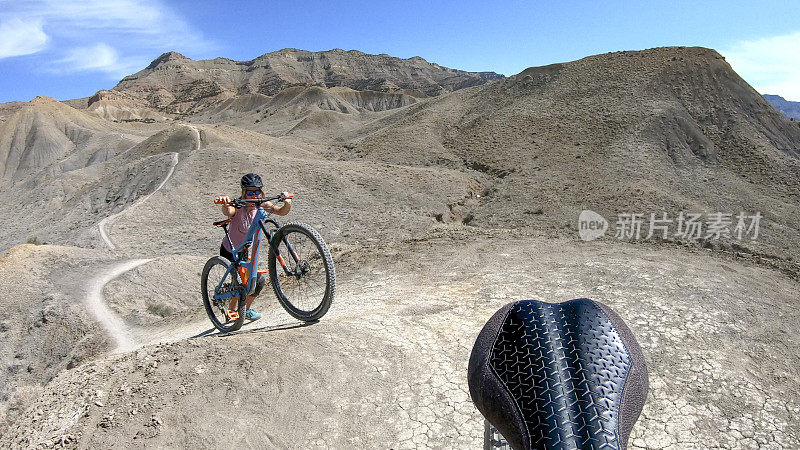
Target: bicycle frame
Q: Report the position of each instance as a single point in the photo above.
(250, 267)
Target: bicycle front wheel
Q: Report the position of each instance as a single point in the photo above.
(214, 280)
(301, 271)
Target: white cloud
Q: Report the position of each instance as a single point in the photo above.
(99, 57)
(771, 65)
(147, 22)
(21, 37)
(116, 37)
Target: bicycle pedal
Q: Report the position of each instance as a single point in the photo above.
(231, 314)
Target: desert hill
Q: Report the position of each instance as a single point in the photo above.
(662, 130)
(8, 109)
(285, 86)
(177, 84)
(442, 194)
(64, 165)
(47, 135)
(643, 132)
(320, 112)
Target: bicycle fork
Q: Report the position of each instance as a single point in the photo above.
(275, 247)
(282, 261)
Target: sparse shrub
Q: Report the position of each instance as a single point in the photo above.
(33, 240)
(159, 309)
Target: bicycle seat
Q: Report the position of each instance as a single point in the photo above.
(558, 375)
(222, 222)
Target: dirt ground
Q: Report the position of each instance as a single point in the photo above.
(386, 368)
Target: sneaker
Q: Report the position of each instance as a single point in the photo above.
(252, 314)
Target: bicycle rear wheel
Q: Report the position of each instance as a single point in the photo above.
(213, 274)
(306, 285)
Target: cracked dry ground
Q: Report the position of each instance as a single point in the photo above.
(386, 368)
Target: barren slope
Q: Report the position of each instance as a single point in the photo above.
(662, 130)
(67, 170)
(46, 328)
(45, 134)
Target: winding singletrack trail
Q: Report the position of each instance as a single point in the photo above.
(113, 324)
(103, 225)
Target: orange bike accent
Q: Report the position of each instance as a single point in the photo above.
(280, 260)
(290, 195)
(262, 271)
(232, 315)
(243, 273)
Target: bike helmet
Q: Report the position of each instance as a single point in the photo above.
(251, 180)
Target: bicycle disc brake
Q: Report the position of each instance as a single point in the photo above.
(226, 288)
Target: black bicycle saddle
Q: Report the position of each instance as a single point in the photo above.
(558, 375)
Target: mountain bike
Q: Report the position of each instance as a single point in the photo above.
(299, 263)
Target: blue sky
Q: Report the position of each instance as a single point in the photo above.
(69, 48)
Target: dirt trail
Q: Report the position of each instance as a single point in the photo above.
(103, 225)
(122, 335)
(113, 324)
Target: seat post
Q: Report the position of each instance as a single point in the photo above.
(225, 227)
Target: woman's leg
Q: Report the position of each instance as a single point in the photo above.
(260, 282)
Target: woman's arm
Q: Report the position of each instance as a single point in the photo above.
(283, 210)
(227, 210)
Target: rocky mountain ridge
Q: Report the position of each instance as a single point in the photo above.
(175, 83)
(788, 108)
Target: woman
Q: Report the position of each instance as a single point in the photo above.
(241, 219)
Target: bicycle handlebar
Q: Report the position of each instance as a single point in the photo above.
(239, 202)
